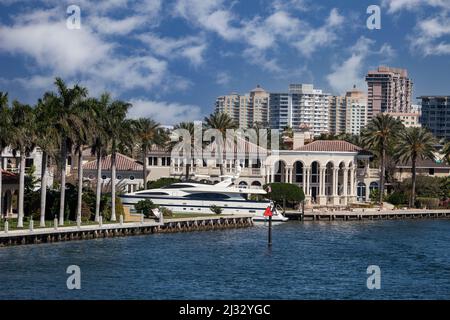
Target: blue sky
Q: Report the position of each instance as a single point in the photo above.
(171, 59)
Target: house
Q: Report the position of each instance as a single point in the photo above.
(129, 173)
(9, 194)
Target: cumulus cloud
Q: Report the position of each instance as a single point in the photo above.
(432, 35)
(166, 113)
(87, 54)
(352, 70)
(395, 6)
(189, 47)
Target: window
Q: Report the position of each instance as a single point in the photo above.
(155, 193)
(131, 177)
(177, 186)
(431, 171)
(29, 163)
(153, 161)
(207, 196)
(119, 177)
(103, 177)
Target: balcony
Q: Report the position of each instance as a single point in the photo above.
(367, 172)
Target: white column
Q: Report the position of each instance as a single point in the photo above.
(345, 192)
(334, 185)
(352, 182)
(307, 179)
(322, 182)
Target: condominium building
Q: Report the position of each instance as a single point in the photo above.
(410, 119)
(338, 114)
(348, 114)
(356, 111)
(245, 110)
(389, 90)
(301, 106)
(436, 115)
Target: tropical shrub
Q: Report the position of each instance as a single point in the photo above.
(283, 192)
(167, 213)
(145, 207)
(428, 203)
(216, 209)
(397, 198)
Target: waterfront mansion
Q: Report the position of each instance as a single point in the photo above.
(331, 172)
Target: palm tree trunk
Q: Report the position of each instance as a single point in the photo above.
(99, 187)
(1, 188)
(413, 187)
(144, 164)
(113, 186)
(43, 188)
(222, 173)
(63, 182)
(188, 166)
(80, 183)
(21, 190)
(382, 174)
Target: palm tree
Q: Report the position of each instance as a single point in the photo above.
(149, 133)
(85, 112)
(119, 132)
(380, 132)
(221, 122)
(68, 123)
(413, 144)
(47, 140)
(446, 152)
(23, 142)
(189, 126)
(99, 143)
(5, 136)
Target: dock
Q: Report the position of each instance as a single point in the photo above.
(61, 234)
(367, 215)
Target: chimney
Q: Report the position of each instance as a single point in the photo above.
(299, 140)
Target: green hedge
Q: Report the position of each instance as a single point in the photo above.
(429, 203)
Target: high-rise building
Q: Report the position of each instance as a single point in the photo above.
(356, 111)
(389, 90)
(301, 106)
(338, 115)
(436, 115)
(348, 114)
(247, 109)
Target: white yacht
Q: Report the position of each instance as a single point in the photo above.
(194, 197)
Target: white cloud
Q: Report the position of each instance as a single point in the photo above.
(124, 26)
(223, 78)
(395, 6)
(315, 38)
(190, 47)
(166, 113)
(352, 70)
(54, 46)
(430, 34)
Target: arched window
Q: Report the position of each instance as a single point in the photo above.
(298, 169)
(373, 186)
(361, 189)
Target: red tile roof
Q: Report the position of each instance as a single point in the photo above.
(330, 146)
(123, 163)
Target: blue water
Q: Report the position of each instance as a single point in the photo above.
(308, 260)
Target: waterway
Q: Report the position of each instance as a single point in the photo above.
(308, 260)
